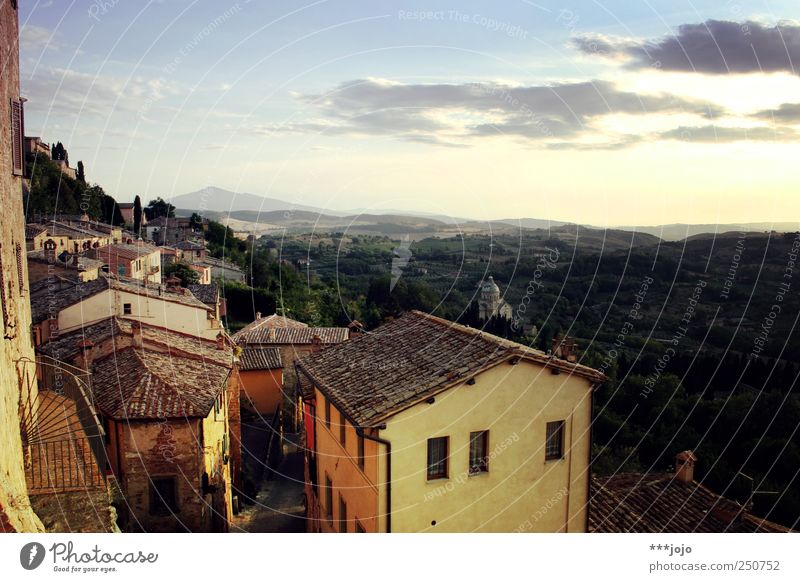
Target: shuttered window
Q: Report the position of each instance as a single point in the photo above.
(17, 153)
(554, 445)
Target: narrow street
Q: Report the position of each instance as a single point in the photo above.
(278, 506)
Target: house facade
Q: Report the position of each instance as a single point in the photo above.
(136, 261)
(417, 425)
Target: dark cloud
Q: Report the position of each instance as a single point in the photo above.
(717, 134)
(786, 113)
(448, 114)
(715, 47)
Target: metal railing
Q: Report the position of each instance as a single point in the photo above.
(63, 436)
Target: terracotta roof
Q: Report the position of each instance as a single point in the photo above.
(293, 335)
(208, 294)
(658, 502)
(65, 346)
(84, 263)
(52, 294)
(377, 374)
(124, 251)
(32, 230)
(260, 358)
(186, 245)
(271, 321)
(135, 383)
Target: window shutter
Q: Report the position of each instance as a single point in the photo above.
(17, 138)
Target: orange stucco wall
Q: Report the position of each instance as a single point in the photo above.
(262, 390)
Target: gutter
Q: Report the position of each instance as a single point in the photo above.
(360, 432)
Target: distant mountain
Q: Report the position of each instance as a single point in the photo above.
(219, 200)
(672, 232)
(259, 214)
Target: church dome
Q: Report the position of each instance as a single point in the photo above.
(489, 286)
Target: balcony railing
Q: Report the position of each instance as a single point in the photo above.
(63, 438)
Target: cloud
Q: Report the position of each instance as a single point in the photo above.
(788, 113)
(36, 38)
(454, 114)
(717, 134)
(69, 92)
(713, 47)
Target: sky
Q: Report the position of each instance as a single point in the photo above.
(605, 113)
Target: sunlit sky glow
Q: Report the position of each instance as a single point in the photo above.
(600, 113)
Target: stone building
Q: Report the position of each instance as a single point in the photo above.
(16, 347)
(170, 406)
(491, 303)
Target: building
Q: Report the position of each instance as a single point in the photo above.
(293, 340)
(169, 403)
(210, 296)
(60, 305)
(16, 513)
(410, 424)
(126, 209)
(668, 503)
(171, 230)
(35, 145)
(42, 265)
(63, 237)
(261, 371)
(224, 270)
(491, 303)
(191, 251)
(137, 261)
(203, 273)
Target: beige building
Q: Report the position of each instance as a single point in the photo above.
(427, 425)
(61, 237)
(61, 305)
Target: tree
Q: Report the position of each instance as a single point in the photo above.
(158, 208)
(137, 214)
(81, 177)
(196, 221)
(182, 271)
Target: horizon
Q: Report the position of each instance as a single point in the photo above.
(524, 110)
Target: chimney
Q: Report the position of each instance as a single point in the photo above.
(354, 327)
(173, 284)
(565, 348)
(684, 466)
(136, 332)
(316, 343)
(50, 250)
(86, 354)
(258, 315)
(75, 260)
(220, 341)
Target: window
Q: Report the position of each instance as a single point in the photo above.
(17, 145)
(361, 452)
(478, 452)
(437, 458)
(327, 413)
(126, 309)
(342, 515)
(342, 430)
(328, 499)
(554, 446)
(163, 498)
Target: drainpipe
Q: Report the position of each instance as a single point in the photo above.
(360, 432)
